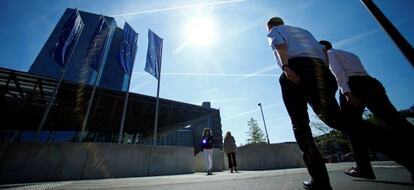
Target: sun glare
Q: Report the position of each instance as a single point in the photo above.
(201, 31)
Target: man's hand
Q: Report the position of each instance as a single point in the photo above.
(291, 75)
(351, 99)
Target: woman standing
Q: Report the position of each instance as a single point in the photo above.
(230, 150)
(207, 145)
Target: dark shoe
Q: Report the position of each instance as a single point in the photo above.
(210, 172)
(235, 169)
(311, 185)
(354, 172)
(231, 171)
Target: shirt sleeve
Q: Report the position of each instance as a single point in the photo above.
(338, 70)
(275, 38)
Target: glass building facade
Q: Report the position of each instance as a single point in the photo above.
(78, 69)
(27, 95)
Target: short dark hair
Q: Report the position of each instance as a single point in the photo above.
(275, 21)
(326, 43)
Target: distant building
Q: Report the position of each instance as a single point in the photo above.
(190, 136)
(78, 70)
(181, 137)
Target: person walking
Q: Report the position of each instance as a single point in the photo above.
(207, 147)
(358, 90)
(229, 148)
(307, 80)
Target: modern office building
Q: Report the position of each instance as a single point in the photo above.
(25, 96)
(79, 70)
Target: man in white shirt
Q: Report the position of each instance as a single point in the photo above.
(305, 79)
(357, 91)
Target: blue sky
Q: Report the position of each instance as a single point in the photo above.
(234, 68)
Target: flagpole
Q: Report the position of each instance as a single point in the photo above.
(55, 91)
(121, 128)
(156, 112)
(97, 78)
(158, 100)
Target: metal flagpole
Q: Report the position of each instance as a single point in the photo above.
(158, 100)
(121, 129)
(55, 91)
(404, 46)
(156, 110)
(97, 78)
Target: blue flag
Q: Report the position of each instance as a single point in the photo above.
(70, 33)
(154, 55)
(97, 44)
(128, 49)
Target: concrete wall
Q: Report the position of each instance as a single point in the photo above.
(218, 161)
(268, 157)
(113, 160)
(29, 162)
(166, 160)
(41, 162)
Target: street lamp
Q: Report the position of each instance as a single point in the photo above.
(261, 109)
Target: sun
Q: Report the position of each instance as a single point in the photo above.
(201, 31)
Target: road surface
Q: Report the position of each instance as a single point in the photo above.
(390, 176)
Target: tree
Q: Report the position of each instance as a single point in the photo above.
(370, 117)
(256, 135)
(330, 141)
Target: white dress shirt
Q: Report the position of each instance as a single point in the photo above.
(344, 64)
(300, 42)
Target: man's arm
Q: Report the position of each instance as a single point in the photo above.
(337, 69)
(282, 53)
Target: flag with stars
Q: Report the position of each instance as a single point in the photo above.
(97, 44)
(128, 49)
(67, 39)
(154, 54)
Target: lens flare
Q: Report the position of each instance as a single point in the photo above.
(201, 31)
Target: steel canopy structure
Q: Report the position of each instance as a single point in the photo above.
(24, 96)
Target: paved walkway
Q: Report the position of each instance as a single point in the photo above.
(390, 176)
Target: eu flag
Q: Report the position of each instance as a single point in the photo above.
(97, 44)
(154, 54)
(70, 33)
(128, 49)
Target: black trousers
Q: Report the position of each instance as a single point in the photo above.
(317, 88)
(373, 96)
(231, 157)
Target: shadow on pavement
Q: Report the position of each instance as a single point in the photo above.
(386, 182)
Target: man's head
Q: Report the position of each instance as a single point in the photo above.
(274, 21)
(326, 43)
